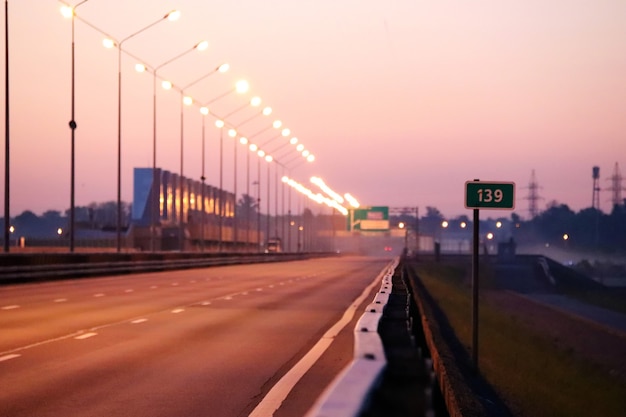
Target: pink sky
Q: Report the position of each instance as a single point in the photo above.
(400, 101)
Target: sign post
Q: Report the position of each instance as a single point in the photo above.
(483, 195)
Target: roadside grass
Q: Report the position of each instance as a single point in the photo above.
(532, 375)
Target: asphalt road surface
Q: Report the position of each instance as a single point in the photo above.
(202, 342)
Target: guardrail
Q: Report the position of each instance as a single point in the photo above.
(351, 390)
(52, 268)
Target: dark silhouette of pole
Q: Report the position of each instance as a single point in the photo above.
(7, 172)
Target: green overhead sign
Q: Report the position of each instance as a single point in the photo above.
(369, 219)
(490, 195)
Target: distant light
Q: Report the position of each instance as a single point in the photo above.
(242, 86)
(173, 15)
(277, 124)
(498, 224)
(445, 224)
(253, 147)
(401, 225)
(201, 46)
(300, 147)
(269, 158)
(489, 235)
(565, 236)
(204, 110)
(140, 68)
(286, 132)
(59, 231)
(108, 43)
(166, 85)
(232, 133)
(187, 101)
(224, 67)
(67, 11)
(267, 111)
(351, 200)
(261, 153)
(310, 158)
(219, 124)
(243, 140)
(463, 225)
(255, 101)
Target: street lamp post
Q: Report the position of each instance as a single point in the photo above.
(172, 16)
(69, 12)
(241, 87)
(254, 102)
(200, 46)
(7, 172)
(184, 100)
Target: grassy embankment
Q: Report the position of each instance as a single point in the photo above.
(532, 375)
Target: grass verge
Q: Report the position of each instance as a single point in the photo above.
(532, 375)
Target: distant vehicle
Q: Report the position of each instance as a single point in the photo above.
(274, 245)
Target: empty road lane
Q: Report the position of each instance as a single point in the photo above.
(202, 342)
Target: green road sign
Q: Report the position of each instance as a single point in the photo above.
(490, 195)
(369, 219)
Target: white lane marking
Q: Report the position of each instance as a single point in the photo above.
(11, 307)
(193, 281)
(129, 290)
(9, 357)
(86, 336)
(154, 287)
(271, 286)
(174, 284)
(228, 297)
(244, 293)
(275, 397)
(138, 321)
(99, 295)
(178, 310)
(206, 303)
(60, 300)
(259, 289)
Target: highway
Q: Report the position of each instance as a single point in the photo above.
(198, 342)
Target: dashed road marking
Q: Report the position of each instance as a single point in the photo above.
(138, 321)
(99, 295)
(85, 336)
(178, 310)
(129, 290)
(11, 307)
(9, 357)
(60, 300)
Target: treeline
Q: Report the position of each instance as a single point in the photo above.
(588, 229)
(95, 216)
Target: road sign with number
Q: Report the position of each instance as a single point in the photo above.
(490, 195)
